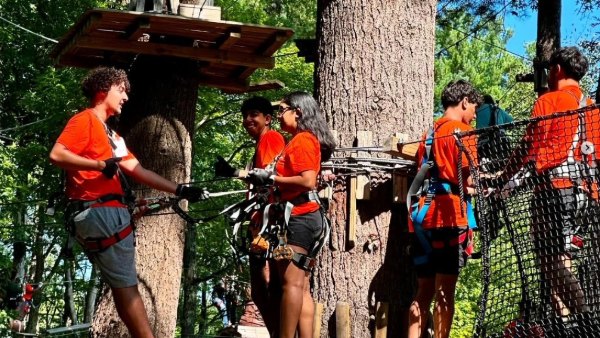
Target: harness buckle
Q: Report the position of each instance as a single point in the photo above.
(283, 250)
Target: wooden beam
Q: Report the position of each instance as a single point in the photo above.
(265, 85)
(228, 40)
(399, 188)
(364, 138)
(86, 27)
(137, 29)
(226, 84)
(342, 320)
(268, 48)
(398, 146)
(152, 48)
(352, 213)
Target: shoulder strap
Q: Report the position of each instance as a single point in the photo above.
(493, 117)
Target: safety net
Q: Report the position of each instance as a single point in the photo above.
(538, 212)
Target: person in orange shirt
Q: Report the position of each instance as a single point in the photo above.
(557, 147)
(295, 177)
(257, 113)
(442, 240)
(95, 158)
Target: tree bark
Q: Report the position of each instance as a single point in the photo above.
(69, 310)
(374, 72)
(157, 124)
(190, 287)
(548, 40)
(91, 296)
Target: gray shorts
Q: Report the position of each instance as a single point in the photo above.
(116, 263)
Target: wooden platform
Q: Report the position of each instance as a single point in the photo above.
(227, 52)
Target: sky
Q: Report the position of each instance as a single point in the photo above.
(575, 26)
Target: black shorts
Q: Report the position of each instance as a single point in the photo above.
(558, 214)
(448, 253)
(304, 230)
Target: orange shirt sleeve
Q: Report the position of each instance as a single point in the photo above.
(76, 135)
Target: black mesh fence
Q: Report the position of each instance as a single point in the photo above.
(539, 218)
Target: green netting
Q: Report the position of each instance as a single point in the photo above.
(539, 219)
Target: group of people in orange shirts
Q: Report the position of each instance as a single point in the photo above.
(95, 158)
(442, 241)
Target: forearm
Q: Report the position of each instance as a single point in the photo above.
(65, 159)
(153, 180)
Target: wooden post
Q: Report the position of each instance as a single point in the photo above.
(364, 138)
(352, 215)
(342, 320)
(317, 320)
(381, 320)
(400, 187)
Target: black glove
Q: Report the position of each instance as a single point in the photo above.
(192, 194)
(260, 177)
(111, 166)
(223, 168)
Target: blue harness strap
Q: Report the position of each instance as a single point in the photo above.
(427, 183)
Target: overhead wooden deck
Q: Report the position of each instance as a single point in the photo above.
(227, 52)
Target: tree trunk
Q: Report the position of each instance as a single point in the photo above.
(37, 275)
(374, 72)
(69, 311)
(548, 40)
(157, 124)
(18, 265)
(190, 287)
(91, 296)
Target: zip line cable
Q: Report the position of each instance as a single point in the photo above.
(28, 31)
(473, 31)
(493, 45)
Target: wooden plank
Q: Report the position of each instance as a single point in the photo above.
(317, 320)
(342, 320)
(226, 84)
(152, 48)
(265, 85)
(228, 40)
(399, 188)
(381, 320)
(87, 26)
(364, 138)
(136, 29)
(399, 146)
(352, 213)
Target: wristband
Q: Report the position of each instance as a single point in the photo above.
(272, 178)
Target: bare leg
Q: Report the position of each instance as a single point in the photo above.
(567, 295)
(132, 311)
(259, 280)
(305, 325)
(275, 297)
(445, 287)
(292, 286)
(419, 309)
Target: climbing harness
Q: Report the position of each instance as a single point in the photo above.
(428, 184)
(276, 218)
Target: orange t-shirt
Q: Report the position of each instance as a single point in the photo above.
(85, 135)
(268, 147)
(551, 139)
(302, 153)
(445, 209)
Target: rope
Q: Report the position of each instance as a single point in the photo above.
(28, 31)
